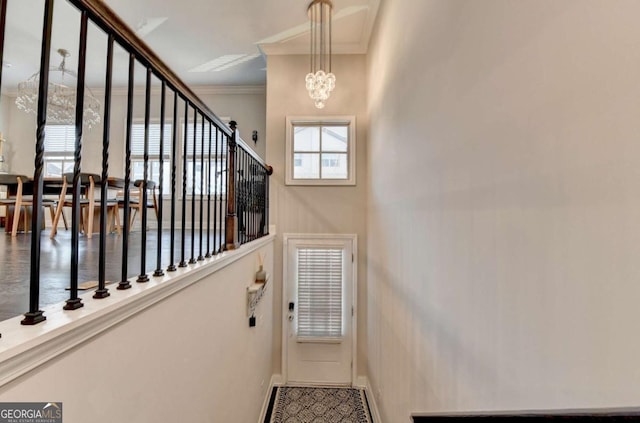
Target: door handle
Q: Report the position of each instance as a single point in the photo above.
(292, 306)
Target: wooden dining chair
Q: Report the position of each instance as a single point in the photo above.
(113, 214)
(88, 204)
(136, 201)
(20, 201)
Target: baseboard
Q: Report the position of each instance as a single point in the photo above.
(363, 382)
(276, 380)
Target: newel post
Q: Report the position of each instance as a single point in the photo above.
(231, 227)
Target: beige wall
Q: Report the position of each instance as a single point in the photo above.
(189, 358)
(503, 206)
(302, 209)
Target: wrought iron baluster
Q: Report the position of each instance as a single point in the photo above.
(224, 177)
(192, 260)
(243, 201)
(35, 315)
(200, 256)
(254, 200)
(217, 199)
(251, 199)
(74, 302)
(124, 281)
(102, 291)
(209, 194)
(174, 152)
(241, 196)
(142, 193)
(163, 93)
(183, 263)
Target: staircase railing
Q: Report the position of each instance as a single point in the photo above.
(241, 178)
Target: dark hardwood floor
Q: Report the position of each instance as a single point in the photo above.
(55, 263)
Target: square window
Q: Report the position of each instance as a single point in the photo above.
(321, 151)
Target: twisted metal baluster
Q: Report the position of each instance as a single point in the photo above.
(174, 153)
(74, 302)
(34, 315)
(163, 93)
(102, 291)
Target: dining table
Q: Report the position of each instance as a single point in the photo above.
(51, 187)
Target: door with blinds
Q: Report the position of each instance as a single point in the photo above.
(318, 302)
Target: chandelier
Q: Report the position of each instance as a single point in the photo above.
(61, 99)
(320, 81)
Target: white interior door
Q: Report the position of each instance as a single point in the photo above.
(318, 301)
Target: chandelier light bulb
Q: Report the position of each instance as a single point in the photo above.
(320, 86)
(320, 81)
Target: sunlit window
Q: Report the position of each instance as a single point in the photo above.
(321, 152)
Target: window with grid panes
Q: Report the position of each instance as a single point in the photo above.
(321, 151)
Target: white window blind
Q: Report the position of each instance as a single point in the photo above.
(59, 145)
(320, 282)
(59, 139)
(137, 140)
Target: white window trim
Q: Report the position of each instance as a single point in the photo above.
(321, 120)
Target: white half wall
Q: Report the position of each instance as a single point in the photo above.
(191, 357)
(503, 229)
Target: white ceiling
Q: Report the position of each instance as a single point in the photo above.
(191, 36)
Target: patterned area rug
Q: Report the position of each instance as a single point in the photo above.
(320, 405)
